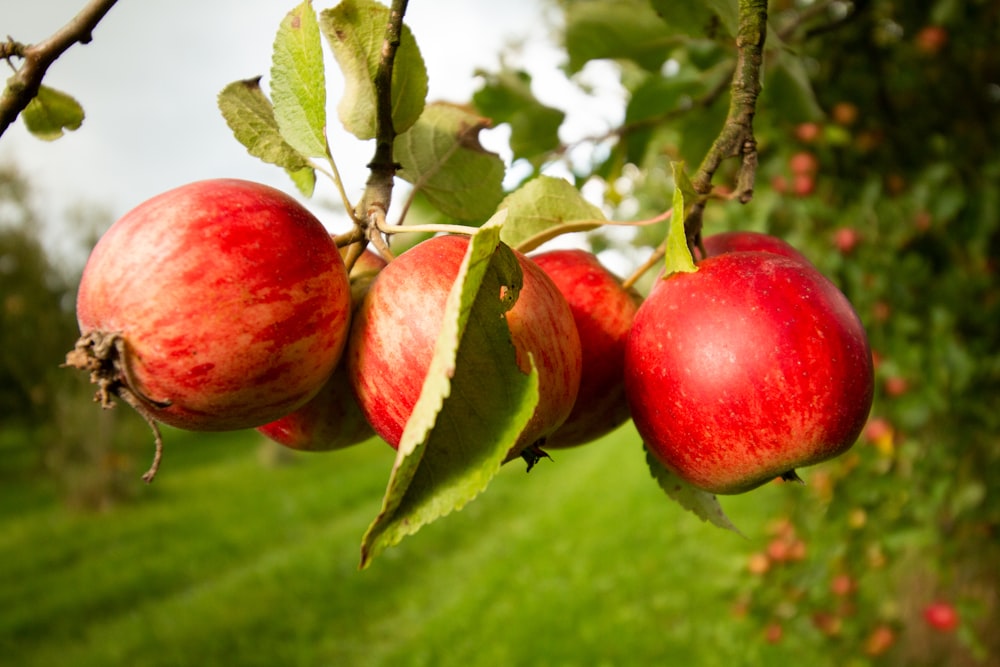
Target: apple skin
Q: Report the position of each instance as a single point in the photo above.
(941, 616)
(332, 419)
(394, 333)
(746, 369)
(723, 242)
(231, 300)
(603, 311)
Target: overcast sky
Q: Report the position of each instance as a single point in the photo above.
(149, 79)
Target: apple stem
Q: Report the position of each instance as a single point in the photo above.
(792, 476)
(103, 354)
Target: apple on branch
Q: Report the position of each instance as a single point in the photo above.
(394, 332)
(745, 369)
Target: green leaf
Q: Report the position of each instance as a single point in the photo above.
(678, 257)
(788, 90)
(442, 158)
(250, 116)
(298, 86)
(355, 31)
(51, 112)
(304, 180)
(688, 18)
(469, 414)
(506, 97)
(543, 208)
(616, 29)
(702, 503)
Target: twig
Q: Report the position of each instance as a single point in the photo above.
(374, 203)
(23, 86)
(736, 138)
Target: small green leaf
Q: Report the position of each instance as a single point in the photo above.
(543, 208)
(506, 97)
(469, 414)
(687, 18)
(50, 113)
(788, 90)
(355, 31)
(616, 29)
(304, 180)
(250, 116)
(702, 503)
(298, 86)
(678, 256)
(442, 158)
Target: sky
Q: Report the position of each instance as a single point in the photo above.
(148, 83)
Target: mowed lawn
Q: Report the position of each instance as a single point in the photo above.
(224, 560)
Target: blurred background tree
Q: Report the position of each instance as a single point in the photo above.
(877, 129)
(87, 454)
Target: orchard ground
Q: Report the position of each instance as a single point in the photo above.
(247, 554)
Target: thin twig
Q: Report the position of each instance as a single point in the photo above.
(736, 138)
(382, 169)
(23, 86)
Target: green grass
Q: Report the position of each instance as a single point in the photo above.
(225, 561)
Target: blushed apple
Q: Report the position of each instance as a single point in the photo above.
(392, 339)
(748, 368)
(218, 305)
(603, 312)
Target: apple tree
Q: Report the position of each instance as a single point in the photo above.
(803, 196)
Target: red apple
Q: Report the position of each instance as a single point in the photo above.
(749, 367)
(803, 162)
(846, 239)
(332, 419)
(395, 329)
(603, 312)
(880, 640)
(219, 305)
(724, 242)
(941, 616)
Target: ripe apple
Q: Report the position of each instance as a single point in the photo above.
(393, 336)
(749, 367)
(941, 616)
(332, 419)
(603, 312)
(219, 305)
(737, 241)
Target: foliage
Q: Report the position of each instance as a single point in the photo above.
(873, 154)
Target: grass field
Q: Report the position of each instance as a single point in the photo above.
(226, 561)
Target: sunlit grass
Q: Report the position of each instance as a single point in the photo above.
(224, 560)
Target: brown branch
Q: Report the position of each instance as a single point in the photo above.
(736, 138)
(378, 189)
(23, 86)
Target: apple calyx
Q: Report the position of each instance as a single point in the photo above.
(534, 453)
(792, 476)
(103, 355)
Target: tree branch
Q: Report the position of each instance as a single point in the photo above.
(736, 138)
(378, 190)
(23, 86)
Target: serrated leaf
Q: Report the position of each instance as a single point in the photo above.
(50, 113)
(678, 257)
(615, 29)
(250, 116)
(544, 208)
(442, 158)
(472, 407)
(355, 31)
(506, 97)
(304, 180)
(701, 503)
(298, 86)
